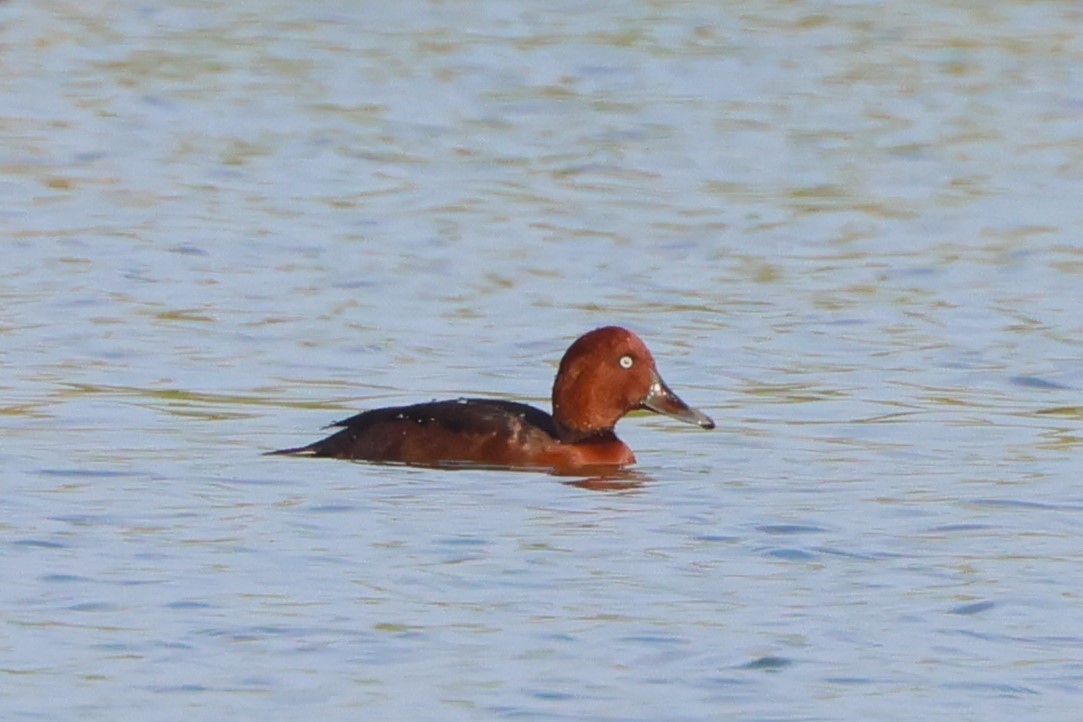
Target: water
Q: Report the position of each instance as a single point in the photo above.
(848, 232)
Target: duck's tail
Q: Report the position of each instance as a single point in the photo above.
(309, 450)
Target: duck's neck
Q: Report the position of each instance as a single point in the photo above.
(569, 435)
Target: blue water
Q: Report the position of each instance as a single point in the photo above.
(847, 232)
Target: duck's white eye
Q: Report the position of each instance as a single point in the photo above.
(626, 362)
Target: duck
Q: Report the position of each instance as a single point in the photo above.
(605, 374)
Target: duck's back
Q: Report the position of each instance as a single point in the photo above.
(460, 431)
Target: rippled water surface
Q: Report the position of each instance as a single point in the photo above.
(850, 232)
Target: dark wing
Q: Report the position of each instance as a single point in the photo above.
(459, 415)
(376, 434)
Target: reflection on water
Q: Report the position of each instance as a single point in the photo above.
(848, 230)
(625, 480)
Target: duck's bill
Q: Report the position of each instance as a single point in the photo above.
(661, 400)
